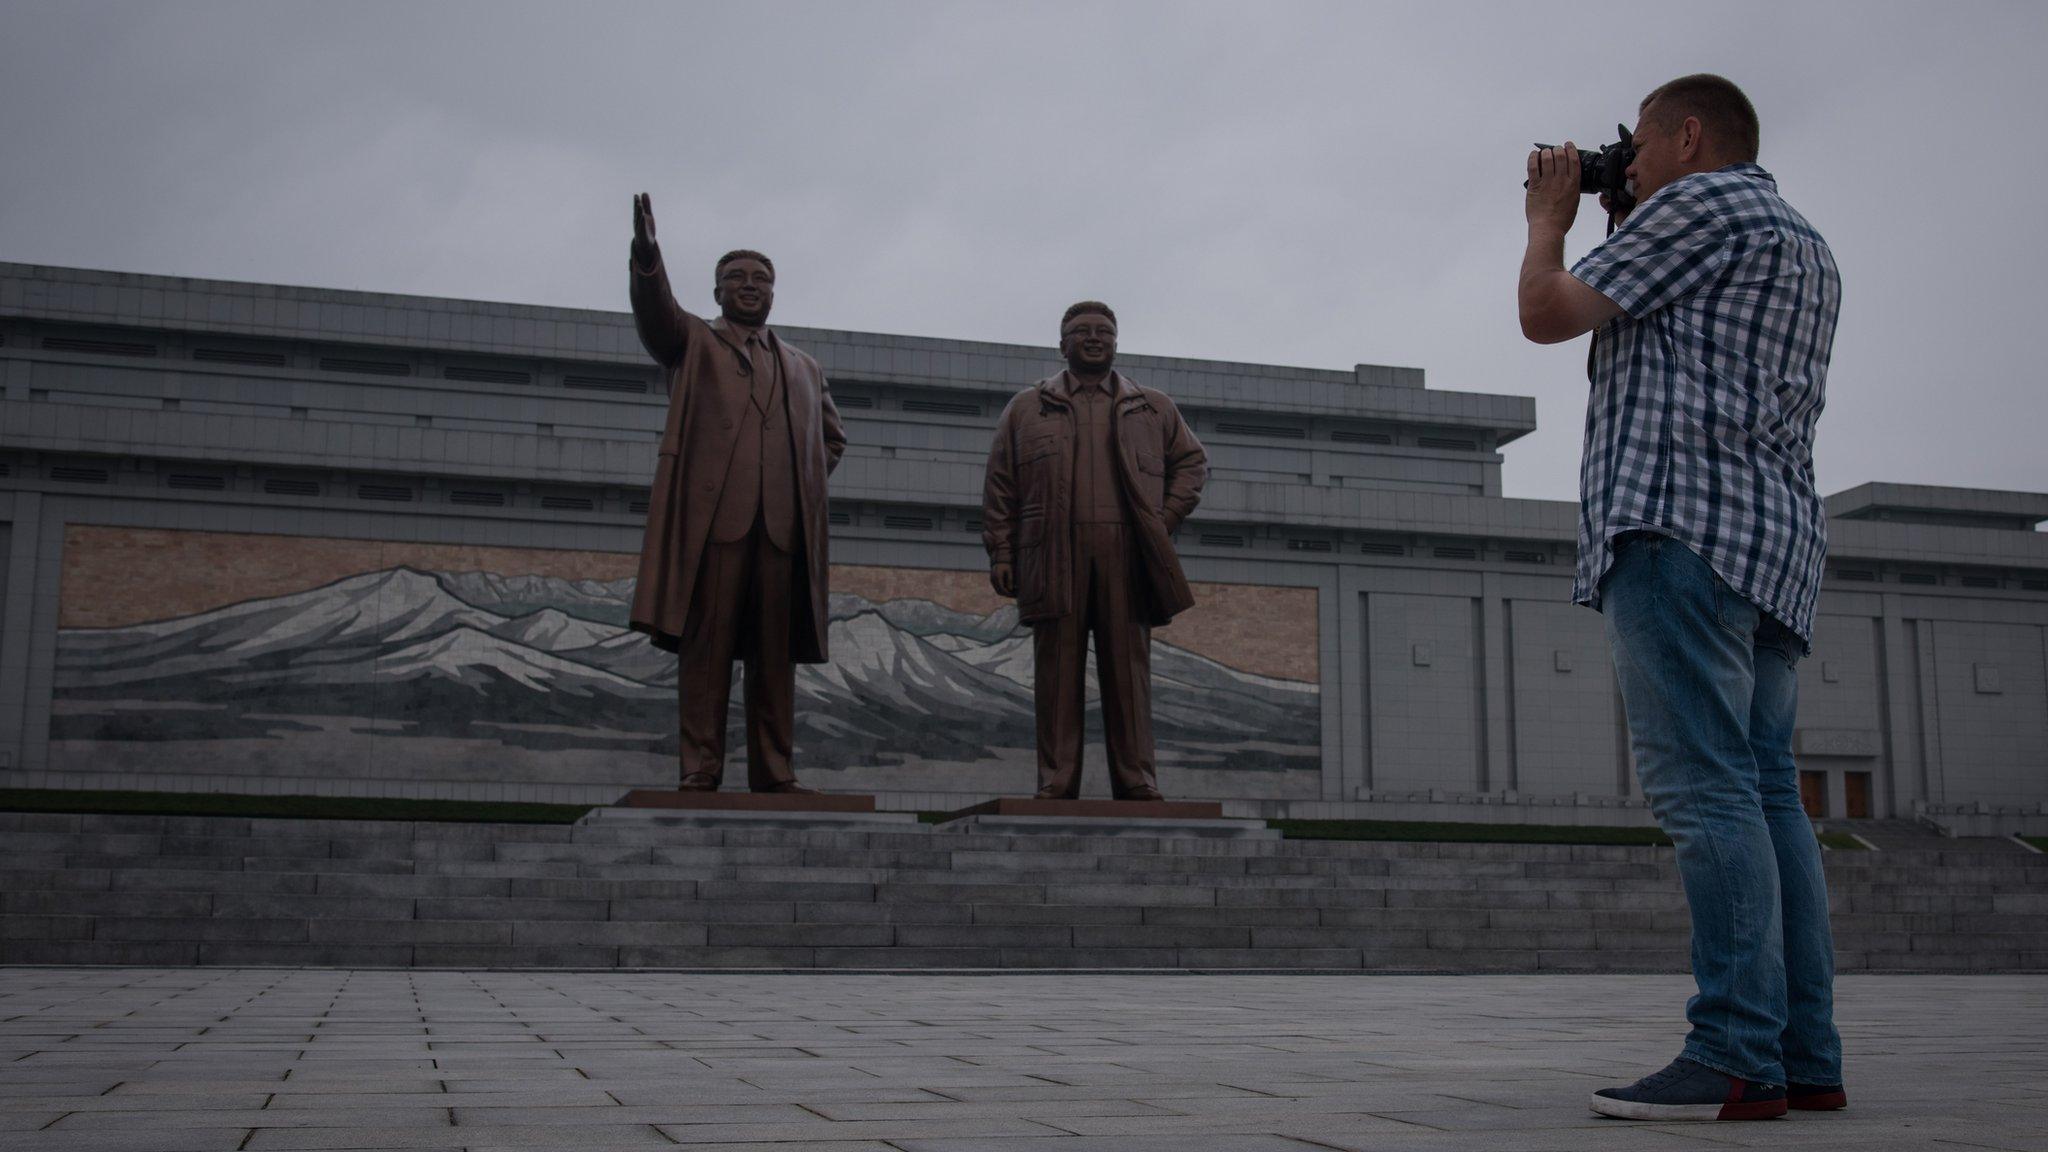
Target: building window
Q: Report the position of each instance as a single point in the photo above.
(475, 375)
(605, 384)
(364, 367)
(1279, 431)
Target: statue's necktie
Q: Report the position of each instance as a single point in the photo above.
(764, 371)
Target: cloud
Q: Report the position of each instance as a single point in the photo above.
(1304, 183)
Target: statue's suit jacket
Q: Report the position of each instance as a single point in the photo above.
(710, 385)
(1027, 496)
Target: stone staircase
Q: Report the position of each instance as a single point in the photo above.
(162, 890)
(1918, 835)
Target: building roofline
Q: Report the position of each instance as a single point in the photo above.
(1872, 500)
(133, 299)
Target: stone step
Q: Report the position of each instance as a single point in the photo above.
(201, 834)
(545, 879)
(755, 865)
(935, 852)
(243, 935)
(268, 920)
(179, 890)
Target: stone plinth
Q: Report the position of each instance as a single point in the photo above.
(813, 812)
(1113, 809)
(745, 801)
(1165, 818)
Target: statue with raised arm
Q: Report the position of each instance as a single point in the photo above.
(733, 565)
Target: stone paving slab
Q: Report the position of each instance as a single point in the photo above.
(212, 1060)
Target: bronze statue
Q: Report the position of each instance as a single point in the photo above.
(733, 564)
(1088, 478)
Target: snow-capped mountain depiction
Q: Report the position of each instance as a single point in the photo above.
(602, 600)
(545, 663)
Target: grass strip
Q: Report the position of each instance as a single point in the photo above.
(2040, 842)
(1841, 841)
(286, 807)
(1466, 833)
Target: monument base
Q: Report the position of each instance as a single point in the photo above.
(668, 798)
(1115, 809)
(1163, 818)
(799, 812)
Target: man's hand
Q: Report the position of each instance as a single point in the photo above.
(643, 229)
(1003, 578)
(1555, 305)
(1552, 200)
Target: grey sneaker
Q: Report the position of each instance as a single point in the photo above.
(1685, 1090)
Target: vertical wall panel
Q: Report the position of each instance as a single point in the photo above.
(1992, 684)
(1564, 700)
(1424, 718)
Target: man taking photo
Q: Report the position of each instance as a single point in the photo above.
(1700, 540)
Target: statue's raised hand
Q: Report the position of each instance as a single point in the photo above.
(643, 228)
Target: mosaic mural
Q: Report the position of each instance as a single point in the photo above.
(267, 655)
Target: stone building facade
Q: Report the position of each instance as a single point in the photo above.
(271, 539)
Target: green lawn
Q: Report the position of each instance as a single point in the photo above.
(2040, 842)
(1841, 841)
(290, 807)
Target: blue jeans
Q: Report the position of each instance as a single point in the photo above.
(1709, 686)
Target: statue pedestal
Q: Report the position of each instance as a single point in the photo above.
(656, 806)
(671, 800)
(1202, 819)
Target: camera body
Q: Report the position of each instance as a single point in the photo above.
(1606, 170)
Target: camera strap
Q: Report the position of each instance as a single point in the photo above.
(1593, 345)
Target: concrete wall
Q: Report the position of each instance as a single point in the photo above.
(1400, 633)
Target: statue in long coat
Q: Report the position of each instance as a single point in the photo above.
(734, 562)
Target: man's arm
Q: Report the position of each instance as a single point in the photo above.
(998, 507)
(1187, 470)
(1554, 305)
(659, 319)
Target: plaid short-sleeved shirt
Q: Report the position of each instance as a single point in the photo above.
(1706, 389)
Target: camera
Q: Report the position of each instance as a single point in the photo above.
(1606, 170)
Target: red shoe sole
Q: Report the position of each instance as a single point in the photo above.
(1761, 1110)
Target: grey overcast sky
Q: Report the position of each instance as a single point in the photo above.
(1300, 183)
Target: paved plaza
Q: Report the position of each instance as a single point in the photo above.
(200, 1060)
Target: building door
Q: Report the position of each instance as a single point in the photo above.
(1857, 788)
(1813, 793)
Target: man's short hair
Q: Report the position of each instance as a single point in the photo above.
(1727, 115)
(743, 254)
(1084, 308)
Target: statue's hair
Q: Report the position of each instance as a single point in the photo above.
(1729, 117)
(744, 254)
(1084, 307)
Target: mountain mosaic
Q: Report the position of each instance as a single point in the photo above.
(539, 664)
